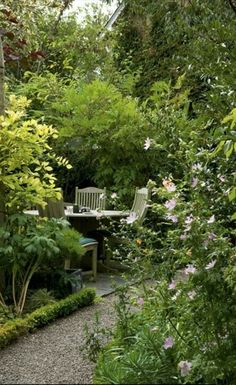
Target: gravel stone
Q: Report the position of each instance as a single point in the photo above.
(53, 355)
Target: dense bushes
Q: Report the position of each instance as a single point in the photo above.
(11, 330)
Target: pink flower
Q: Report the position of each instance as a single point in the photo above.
(169, 185)
(172, 285)
(170, 205)
(211, 219)
(172, 218)
(140, 301)
(147, 143)
(194, 182)
(185, 367)
(169, 342)
(210, 265)
(192, 294)
(190, 269)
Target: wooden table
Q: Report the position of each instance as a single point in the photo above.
(90, 220)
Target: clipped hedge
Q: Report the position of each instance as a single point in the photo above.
(11, 330)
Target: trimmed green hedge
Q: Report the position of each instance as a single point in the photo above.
(11, 330)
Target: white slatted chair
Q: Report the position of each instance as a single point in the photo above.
(140, 203)
(92, 197)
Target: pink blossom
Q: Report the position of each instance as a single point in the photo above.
(147, 143)
(140, 301)
(170, 205)
(185, 367)
(172, 285)
(172, 218)
(169, 342)
(194, 182)
(169, 185)
(190, 269)
(192, 294)
(211, 219)
(210, 265)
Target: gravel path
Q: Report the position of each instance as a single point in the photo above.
(52, 355)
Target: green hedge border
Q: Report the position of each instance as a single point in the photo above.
(11, 330)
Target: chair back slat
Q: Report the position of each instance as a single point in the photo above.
(91, 197)
(54, 209)
(140, 204)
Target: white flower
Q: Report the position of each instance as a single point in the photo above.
(192, 294)
(147, 143)
(210, 265)
(197, 167)
(211, 219)
(131, 218)
(113, 195)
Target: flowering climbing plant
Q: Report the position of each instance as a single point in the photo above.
(184, 328)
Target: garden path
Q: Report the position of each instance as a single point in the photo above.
(53, 354)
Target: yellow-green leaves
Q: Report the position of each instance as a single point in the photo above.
(26, 157)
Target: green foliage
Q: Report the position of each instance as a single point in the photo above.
(39, 298)
(190, 300)
(26, 173)
(29, 244)
(164, 39)
(11, 330)
(106, 130)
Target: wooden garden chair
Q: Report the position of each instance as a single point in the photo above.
(140, 203)
(55, 209)
(137, 213)
(92, 197)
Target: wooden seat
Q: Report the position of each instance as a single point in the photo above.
(137, 215)
(92, 197)
(140, 203)
(55, 209)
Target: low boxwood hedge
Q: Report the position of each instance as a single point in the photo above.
(11, 330)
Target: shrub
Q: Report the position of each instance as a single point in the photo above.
(11, 330)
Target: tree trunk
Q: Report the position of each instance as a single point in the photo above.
(2, 79)
(2, 112)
